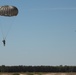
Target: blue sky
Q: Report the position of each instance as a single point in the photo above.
(43, 33)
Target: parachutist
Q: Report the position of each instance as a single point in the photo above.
(4, 42)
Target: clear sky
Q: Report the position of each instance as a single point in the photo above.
(43, 33)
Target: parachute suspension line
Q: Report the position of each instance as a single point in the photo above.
(1, 28)
(10, 27)
(4, 35)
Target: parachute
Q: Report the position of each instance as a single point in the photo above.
(7, 11)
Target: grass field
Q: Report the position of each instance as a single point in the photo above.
(37, 73)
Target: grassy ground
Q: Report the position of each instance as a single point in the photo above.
(37, 73)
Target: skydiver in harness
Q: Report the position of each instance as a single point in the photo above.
(4, 42)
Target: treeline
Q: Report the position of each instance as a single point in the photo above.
(21, 68)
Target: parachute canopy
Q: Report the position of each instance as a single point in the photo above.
(8, 11)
